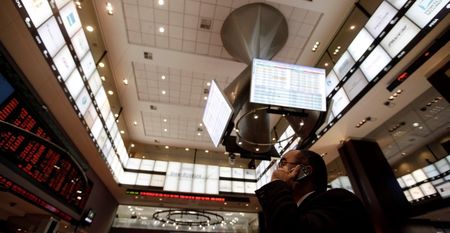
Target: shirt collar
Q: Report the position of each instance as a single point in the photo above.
(303, 198)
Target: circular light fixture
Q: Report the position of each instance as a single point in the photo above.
(163, 77)
(125, 81)
(101, 64)
(167, 147)
(160, 2)
(89, 28)
(352, 27)
(162, 29)
(110, 92)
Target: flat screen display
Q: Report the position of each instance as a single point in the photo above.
(416, 193)
(430, 171)
(64, 62)
(397, 3)
(80, 44)
(70, 19)
(147, 165)
(442, 165)
(212, 186)
(172, 176)
(343, 65)
(133, 163)
(374, 63)
(287, 85)
(61, 3)
(360, 44)
(74, 84)
(88, 64)
(428, 189)
(340, 101)
(249, 174)
(143, 179)
(218, 112)
(380, 18)
(160, 166)
(212, 172)
(51, 36)
(444, 189)
(200, 171)
(250, 187)
(157, 180)
(225, 186)
(38, 10)
(409, 180)
(423, 11)
(225, 172)
(401, 182)
(408, 195)
(355, 84)
(198, 185)
(237, 173)
(83, 101)
(238, 186)
(128, 178)
(419, 175)
(331, 82)
(399, 36)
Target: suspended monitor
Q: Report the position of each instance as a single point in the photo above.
(217, 113)
(287, 85)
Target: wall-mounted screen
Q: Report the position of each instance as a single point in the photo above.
(88, 64)
(160, 166)
(147, 165)
(401, 182)
(416, 193)
(360, 44)
(340, 101)
(212, 186)
(374, 63)
(83, 101)
(287, 85)
(250, 187)
(442, 165)
(74, 84)
(38, 10)
(430, 171)
(70, 18)
(419, 175)
(237, 173)
(80, 44)
(225, 186)
(444, 189)
(249, 174)
(198, 185)
(218, 112)
(422, 12)
(157, 180)
(408, 195)
(409, 180)
(399, 36)
(200, 171)
(143, 179)
(380, 18)
(238, 187)
(355, 84)
(172, 176)
(428, 189)
(51, 36)
(64, 62)
(225, 172)
(133, 163)
(397, 3)
(128, 178)
(343, 65)
(331, 82)
(212, 172)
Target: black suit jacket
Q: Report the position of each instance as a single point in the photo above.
(336, 210)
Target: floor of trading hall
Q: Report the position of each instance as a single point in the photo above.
(114, 93)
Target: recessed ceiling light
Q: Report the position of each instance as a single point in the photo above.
(110, 92)
(240, 143)
(165, 120)
(101, 64)
(116, 115)
(165, 130)
(122, 132)
(199, 134)
(161, 2)
(352, 27)
(162, 29)
(416, 124)
(132, 145)
(206, 151)
(125, 81)
(163, 77)
(89, 28)
(326, 64)
(103, 78)
(186, 149)
(135, 123)
(273, 139)
(109, 8)
(255, 116)
(163, 92)
(208, 84)
(167, 147)
(205, 98)
(256, 149)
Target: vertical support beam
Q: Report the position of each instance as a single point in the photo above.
(374, 182)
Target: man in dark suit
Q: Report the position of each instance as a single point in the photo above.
(297, 200)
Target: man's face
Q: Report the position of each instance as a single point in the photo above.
(290, 160)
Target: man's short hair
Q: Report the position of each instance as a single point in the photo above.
(319, 174)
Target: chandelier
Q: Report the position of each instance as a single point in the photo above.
(188, 217)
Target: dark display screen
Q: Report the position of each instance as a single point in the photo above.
(35, 157)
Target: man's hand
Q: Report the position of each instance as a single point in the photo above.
(285, 175)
